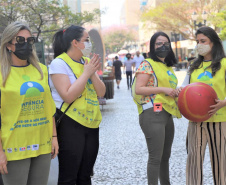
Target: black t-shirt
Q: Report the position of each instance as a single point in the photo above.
(117, 64)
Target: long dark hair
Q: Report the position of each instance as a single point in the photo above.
(170, 59)
(217, 51)
(62, 39)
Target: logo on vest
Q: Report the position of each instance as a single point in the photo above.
(173, 82)
(30, 88)
(29, 147)
(9, 150)
(22, 149)
(35, 147)
(205, 78)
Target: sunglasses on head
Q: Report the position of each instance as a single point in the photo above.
(21, 40)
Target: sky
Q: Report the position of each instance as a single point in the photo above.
(112, 12)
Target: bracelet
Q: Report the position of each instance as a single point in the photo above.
(54, 136)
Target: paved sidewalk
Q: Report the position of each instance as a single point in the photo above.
(122, 158)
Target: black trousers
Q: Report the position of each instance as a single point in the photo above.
(78, 148)
(129, 78)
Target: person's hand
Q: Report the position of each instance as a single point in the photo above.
(3, 163)
(55, 148)
(214, 108)
(94, 64)
(170, 92)
(178, 91)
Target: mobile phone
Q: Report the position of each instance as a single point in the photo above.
(157, 107)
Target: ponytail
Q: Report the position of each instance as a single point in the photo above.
(62, 39)
(58, 44)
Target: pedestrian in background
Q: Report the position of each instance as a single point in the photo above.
(191, 58)
(109, 62)
(28, 131)
(129, 66)
(154, 91)
(209, 68)
(117, 70)
(74, 83)
(138, 58)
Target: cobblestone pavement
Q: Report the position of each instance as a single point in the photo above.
(122, 158)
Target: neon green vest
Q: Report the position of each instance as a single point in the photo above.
(85, 109)
(165, 77)
(217, 82)
(27, 110)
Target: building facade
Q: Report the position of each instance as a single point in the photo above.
(79, 6)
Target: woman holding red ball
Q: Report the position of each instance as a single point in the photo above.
(209, 68)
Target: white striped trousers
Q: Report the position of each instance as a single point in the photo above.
(199, 134)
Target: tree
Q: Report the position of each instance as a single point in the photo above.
(115, 37)
(176, 15)
(9, 12)
(44, 16)
(221, 22)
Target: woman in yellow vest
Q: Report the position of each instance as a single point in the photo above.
(209, 68)
(74, 82)
(28, 133)
(154, 92)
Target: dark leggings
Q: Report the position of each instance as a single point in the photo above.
(78, 148)
(158, 129)
(129, 78)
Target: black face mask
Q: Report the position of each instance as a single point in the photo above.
(23, 51)
(162, 51)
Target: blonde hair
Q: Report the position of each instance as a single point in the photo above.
(8, 35)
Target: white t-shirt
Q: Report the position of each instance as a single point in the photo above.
(58, 66)
(138, 60)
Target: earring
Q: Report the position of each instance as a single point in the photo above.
(10, 51)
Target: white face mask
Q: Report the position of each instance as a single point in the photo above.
(203, 49)
(88, 48)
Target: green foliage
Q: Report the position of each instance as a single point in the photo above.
(115, 37)
(172, 15)
(221, 17)
(176, 15)
(44, 16)
(9, 12)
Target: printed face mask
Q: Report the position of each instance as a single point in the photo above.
(162, 51)
(23, 51)
(203, 49)
(88, 48)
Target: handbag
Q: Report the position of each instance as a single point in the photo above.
(61, 116)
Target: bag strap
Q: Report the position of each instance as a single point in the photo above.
(61, 116)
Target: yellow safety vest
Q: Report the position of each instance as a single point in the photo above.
(204, 75)
(85, 109)
(165, 77)
(27, 111)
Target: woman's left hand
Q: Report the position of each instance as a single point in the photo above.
(214, 108)
(55, 148)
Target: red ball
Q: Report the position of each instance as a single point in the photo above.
(194, 101)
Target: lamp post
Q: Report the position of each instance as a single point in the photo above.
(194, 17)
(175, 37)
